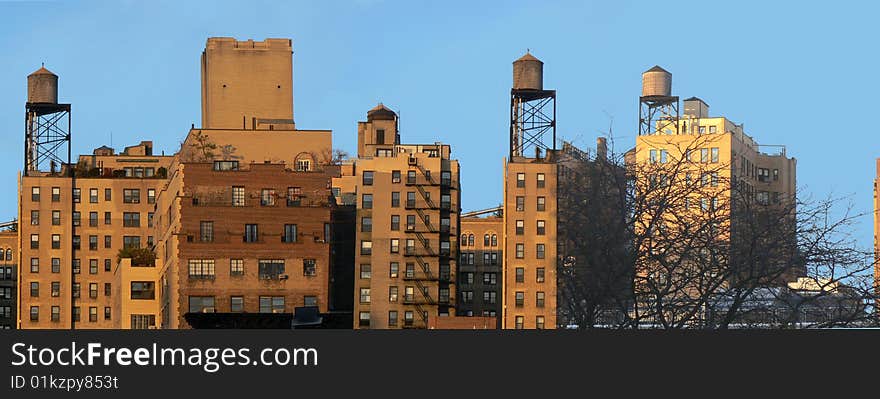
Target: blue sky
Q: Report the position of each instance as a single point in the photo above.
(794, 74)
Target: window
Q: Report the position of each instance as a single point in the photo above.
(310, 267)
(539, 251)
(539, 322)
(251, 233)
(541, 203)
(393, 269)
(201, 268)
(410, 199)
(704, 153)
(520, 228)
(520, 180)
(267, 197)
(445, 178)
(410, 246)
(56, 218)
(775, 174)
(35, 265)
(539, 299)
(56, 194)
(366, 225)
(364, 319)
(237, 196)
(392, 318)
(395, 176)
(541, 228)
(76, 266)
(365, 271)
(652, 156)
(147, 290)
(151, 196)
(56, 241)
(520, 275)
(411, 177)
(395, 222)
(76, 242)
(108, 194)
(236, 304)
(131, 219)
(35, 289)
(201, 304)
(395, 245)
(131, 241)
(108, 289)
(93, 290)
(367, 201)
(56, 313)
(236, 267)
(56, 265)
(35, 241)
(271, 304)
(223, 166)
(713, 129)
(93, 219)
(714, 154)
(366, 247)
(494, 240)
(368, 178)
(147, 321)
(520, 251)
(395, 199)
(76, 313)
(131, 196)
(467, 296)
(93, 195)
(35, 310)
(35, 194)
(106, 265)
(490, 278)
(303, 165)
(520, 298)
(408, 318)
(520, 203)
(365, 295)
(294, 196)
(410, 270)
(271, 269)
(35, 218)
(93, 266)
(445, 201)
(289, 233)
(107, 218)
(539, 275)
(107, 313)
(56, 289)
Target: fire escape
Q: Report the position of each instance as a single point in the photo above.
(419, 250)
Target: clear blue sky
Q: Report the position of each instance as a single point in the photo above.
(794, 74)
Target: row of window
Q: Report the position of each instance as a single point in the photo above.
(489, 278)
(489, 258)
(408, 294)
(520, 320)
(520, 274)
(366, 270)
(540, 227)
(489, 240)
(129, 195)
(55, 313)
(6, 273)
(251, 232)
(540, 205)
(302, 165)
(268, 196)
(127, 241)
(6, 254)
(540, 180)
(540, 251)
(76, 265)
(409, 249)
(445, 200)
(445, 177)
(129, 219)
(268, 269)
(489, 297)
(707, 155)
(268, 304)
(408, 318)
(138, 290)
(367, 223)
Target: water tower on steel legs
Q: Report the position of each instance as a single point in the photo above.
(532, 109)
(658, 108)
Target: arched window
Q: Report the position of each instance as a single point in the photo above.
(8, 254)
(494, 240)
(464, 240)
(486, 240)
(470, 240)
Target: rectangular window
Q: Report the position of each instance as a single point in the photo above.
(289, 233)
(411, 177)
(395, 176)
(366, 225)
(541, 228)
(151, 196)
(366, 247)
(93, 195)
(108, 289)
(35, 194)
(367, 202)
(365, 270)
(490, 278)
(35, 265)
(520, 298)
(445, 178)
(251, 233)
(75, 290)
(35, 289)
(364, 319)
(392, 318)
(206, 231)
(539, 275)
(520, 227)
(664, 155)
(652, 156)
(539, 251)
(93, 219)
(131, 219)
(294, 196)
(267, 197)
(237, 196)
(35, 241)
(713, 129)
(56, 289)
(107, 218)
(56, 241)
(365, 295)
(56, 265)
(303, 165)
(539, 322)
(410, 199)
(410, 222)
(395, 199)
(539, 299)
(107, 265)
(147, 321)
(107, 313)
(393, 269)
(368, 178)
(76, 218)
(704, 153)
(714, 154)
(236, 267)
(520, 203)
(93, 290)
(271, 304)
(93, 266)
(131, 241)
(520, 251)
(236, 304)
(310, 267)
(395, 222)
(56, 218)
(395, 245)
(201, 304)
(223, 166)
(35, 218)
(310, 300)
(35, 310)
(541, 203)
(131, 196)
(201, 269)
(144, 290)
(56, 194)
(271, 269)
(520, 275)
(520, 180)
(541, 180)
(108, 194)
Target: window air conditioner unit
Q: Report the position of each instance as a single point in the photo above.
(283, 277)
(208, 310)
(412, 160)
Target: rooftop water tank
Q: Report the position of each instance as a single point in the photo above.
(656, 82)
(528, 73)
(43, 87)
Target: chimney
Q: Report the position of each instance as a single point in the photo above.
(601, 148)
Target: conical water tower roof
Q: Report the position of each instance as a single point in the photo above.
(42, 71)
(528, 57)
